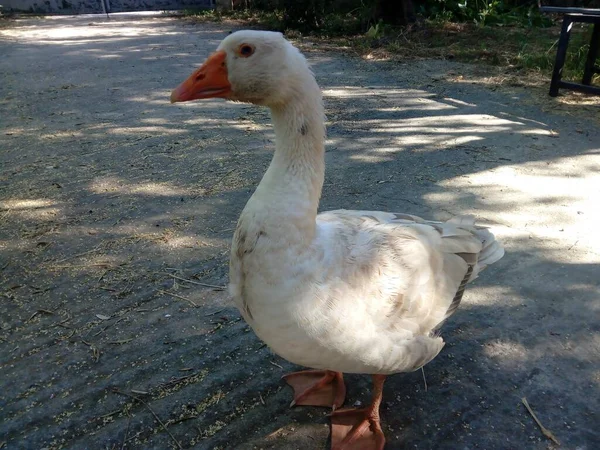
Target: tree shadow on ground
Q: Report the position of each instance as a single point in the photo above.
(110, 196)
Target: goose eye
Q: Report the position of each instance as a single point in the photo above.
(246, 50)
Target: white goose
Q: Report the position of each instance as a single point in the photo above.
(340, 291)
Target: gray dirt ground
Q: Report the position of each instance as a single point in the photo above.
(109, 195)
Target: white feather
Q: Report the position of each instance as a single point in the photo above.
(350, 291)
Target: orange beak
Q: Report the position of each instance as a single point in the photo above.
(209, 81)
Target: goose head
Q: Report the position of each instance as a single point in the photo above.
(259, 67)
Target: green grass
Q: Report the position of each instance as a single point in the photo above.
(265, 20)
(508, 43)
(526, 48)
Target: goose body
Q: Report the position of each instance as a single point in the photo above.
(364, 295)
(340, 291)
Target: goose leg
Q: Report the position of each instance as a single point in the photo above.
(317, 388)
(359, 429)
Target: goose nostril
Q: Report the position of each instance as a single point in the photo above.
(200, 77)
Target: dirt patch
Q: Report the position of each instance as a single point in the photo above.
(117, 208)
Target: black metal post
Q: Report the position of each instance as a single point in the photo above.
(561, 54)
(590, 64)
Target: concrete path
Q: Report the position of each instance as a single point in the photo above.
(110, 198)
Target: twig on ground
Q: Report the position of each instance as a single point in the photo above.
(213, 313)
(275, 364)
(117, 411)
(545, 431)
(116, 391)
(130, 438)
(183, 419)
(126, 432)
(214, 286)
(77, 254)
(39, 311)
(69, 317)
(109, 266)
(261, 399)
(217, 328)
(94, 349)
(222, 177)
(121, 341)
(178, 296)
(69, 336)
(102, 276)
(175, 380)
(107, 289)
(108, 326)
(35, 290)
(424, 379)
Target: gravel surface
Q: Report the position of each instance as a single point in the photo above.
(111, 198)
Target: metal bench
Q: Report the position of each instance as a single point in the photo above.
(572, 15)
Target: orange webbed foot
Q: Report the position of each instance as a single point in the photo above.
(356, 429)
(317, 388)
(359, 429)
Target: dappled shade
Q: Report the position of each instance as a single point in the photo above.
(111, 196)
